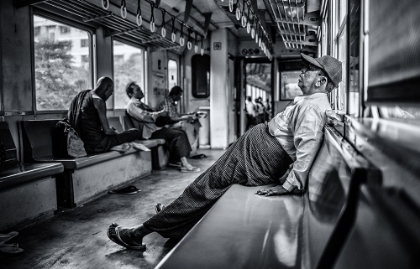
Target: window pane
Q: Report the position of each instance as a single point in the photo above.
(354, 95)
(172, 73)
(62, 65)
(342, 56)
(128, 66)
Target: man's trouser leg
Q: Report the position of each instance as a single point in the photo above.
(176, 140)
(113, 140)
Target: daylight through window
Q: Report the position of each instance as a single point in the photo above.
(62, 65)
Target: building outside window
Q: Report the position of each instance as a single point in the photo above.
(62, 66)
(128, 66)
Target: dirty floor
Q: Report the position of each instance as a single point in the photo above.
(77, 238)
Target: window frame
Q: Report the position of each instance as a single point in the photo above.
(144, 87)
(53, 17)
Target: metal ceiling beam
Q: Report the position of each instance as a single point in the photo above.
(25, 3)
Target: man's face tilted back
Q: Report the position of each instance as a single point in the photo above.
(308, 79)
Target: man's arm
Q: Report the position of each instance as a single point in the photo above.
(101, 108)
(173, 114)
(308, 135)
(143, 115)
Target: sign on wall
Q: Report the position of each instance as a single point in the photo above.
(217, 45)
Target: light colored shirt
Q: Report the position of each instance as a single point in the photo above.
(250, 108)
(142, 112)
(299, 129)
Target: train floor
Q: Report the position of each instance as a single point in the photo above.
(77, 238)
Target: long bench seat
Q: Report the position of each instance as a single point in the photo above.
(245, 230)
(84, 178)
(27, 191)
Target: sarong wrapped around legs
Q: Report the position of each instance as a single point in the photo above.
(257, 158)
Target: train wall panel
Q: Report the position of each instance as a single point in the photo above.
(26, 204)
(92, 181)
(16, 82)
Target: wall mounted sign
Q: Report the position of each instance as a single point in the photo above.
(217, 45)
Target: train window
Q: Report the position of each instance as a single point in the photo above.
(341, 41)
(200, 66)
(128, 66)
(172, 73)
(62, 65)
(354, 27)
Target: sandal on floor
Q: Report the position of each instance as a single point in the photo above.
(191, 169)
(125, 190)
(114, 234)
(159, 207)
(198, 156)
(6, 237)
(11, 248)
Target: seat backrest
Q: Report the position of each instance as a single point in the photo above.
(128, 124)
(116, 123)
(9, 145)
(38, 139)
(331, 196)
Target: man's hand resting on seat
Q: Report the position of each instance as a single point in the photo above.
(278, 190)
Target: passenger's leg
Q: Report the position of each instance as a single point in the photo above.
(192, 131)
(113, 140)
(255, 159)
(177, 142)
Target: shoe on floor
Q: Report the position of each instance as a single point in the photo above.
(6, 237)
(10, 248)
(125, 190)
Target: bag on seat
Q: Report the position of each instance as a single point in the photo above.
(68, 138)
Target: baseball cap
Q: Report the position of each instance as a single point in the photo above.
(330, 65)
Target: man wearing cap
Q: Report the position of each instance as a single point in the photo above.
(299, 128)
(263, 155)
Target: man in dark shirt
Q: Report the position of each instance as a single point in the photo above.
(87, 115)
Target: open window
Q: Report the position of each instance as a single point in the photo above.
(62, 61)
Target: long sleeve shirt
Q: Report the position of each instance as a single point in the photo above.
(299, 129)
(142, 112)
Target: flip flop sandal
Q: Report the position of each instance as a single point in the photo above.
(159, 207)
(6, 237)
(11, 248)
(190, 170)
(114, 235)
(199, 156)
(125, 190)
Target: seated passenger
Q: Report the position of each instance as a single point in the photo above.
(176, 140)
(261, 156)
(87, 115)
(189, 122)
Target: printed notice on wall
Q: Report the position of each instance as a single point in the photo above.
(158, 84)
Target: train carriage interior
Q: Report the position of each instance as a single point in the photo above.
(239, 65)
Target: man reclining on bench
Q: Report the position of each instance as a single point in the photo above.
(176, 140)
(261, 156)
(87, 115)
